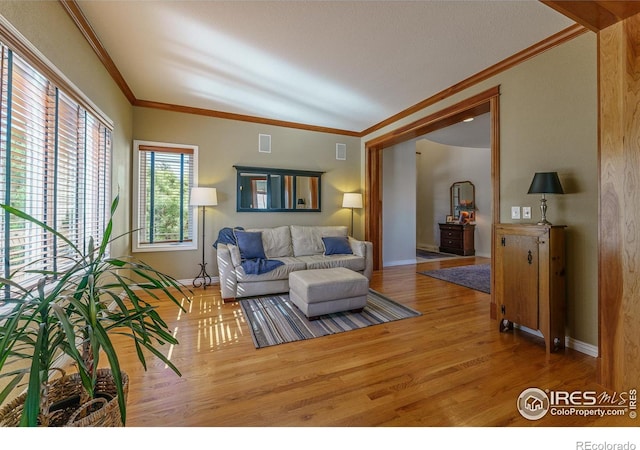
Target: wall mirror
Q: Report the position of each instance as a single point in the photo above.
(463, 199)
(277, 190)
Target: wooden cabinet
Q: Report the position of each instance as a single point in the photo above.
(530, 280)
(457, 239)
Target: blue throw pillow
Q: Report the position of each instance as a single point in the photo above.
(250, 244)
(338, 245)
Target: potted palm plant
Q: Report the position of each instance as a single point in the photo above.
(75, 312)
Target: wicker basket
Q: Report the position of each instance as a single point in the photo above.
(71, 385)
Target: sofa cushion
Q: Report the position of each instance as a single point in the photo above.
(276, 241)
(282, 272)
(359, 248)
(307, 240)
(250, 244)
(234, 251)
(336, 245)
(355, 263)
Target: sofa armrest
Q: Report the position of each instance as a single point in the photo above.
(368, 268)
(227, 273)
(364, 249)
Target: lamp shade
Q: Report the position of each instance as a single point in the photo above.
(203, 196)
(546, 183)
(352, 200)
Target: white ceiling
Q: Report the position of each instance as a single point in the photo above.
(474, 134)
(339, 64)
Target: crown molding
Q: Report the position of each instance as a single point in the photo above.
(76, 14)
(241, 117)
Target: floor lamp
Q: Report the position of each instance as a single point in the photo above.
(202, 196)
(352, 200)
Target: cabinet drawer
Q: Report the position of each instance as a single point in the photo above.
(451, 243)
(448, 233)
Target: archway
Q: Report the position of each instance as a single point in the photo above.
(487, 101)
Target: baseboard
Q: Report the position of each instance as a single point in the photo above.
(582, 347)
(400, 263)
(428, 247)
(189, 282)
(569, 342)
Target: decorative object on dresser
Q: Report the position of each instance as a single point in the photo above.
(545, 183)
(457, 238)
(203, 196)
(463, 202)
(530, 280)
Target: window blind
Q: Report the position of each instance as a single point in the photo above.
(54, 165)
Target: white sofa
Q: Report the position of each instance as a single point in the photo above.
(299, 248)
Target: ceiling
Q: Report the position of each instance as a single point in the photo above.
(344, 65)
(474, 134)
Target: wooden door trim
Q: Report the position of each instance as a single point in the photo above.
(487, 101)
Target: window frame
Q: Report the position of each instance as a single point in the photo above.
(136, 245)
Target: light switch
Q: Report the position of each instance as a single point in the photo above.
(515, 212)
(526, 212)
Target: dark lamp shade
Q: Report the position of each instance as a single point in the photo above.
(546, 183)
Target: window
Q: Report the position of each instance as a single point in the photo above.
(163, 177)
(54, 165)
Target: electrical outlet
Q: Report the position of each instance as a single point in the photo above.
(526, 212)
(515, 212)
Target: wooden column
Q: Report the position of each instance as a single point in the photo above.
(619, 215)
(373, 203)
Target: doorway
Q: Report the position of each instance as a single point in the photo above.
(455, 154)
(485, 102)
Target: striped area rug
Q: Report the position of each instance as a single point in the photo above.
(275, 320)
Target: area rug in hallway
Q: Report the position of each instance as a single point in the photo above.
(426, 254)
(476, 277)
(275, 320)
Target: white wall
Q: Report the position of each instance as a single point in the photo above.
(399, 200)
(439, 166)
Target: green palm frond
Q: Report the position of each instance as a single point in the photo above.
(76, 311)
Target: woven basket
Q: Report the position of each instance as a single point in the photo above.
(69, 386)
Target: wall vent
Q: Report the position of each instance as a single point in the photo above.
(341, 152)
(264, 143)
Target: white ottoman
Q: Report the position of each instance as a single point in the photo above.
(324, 291)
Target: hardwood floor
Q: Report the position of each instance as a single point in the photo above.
(449, 367)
